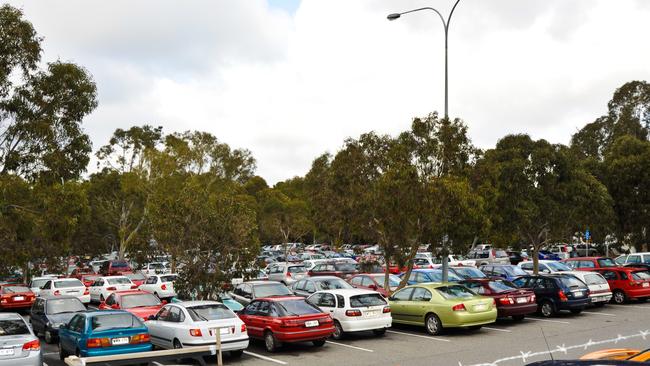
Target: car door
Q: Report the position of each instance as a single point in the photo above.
(327, 303)
(159, 336)
(37, 316)
(253, 324)
(399, 304)
(148, 284)
(612, 279)
(75, 330)
(419, 305)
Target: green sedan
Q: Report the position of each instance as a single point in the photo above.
(441, 305)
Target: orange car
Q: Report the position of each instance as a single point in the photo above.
(619, 354)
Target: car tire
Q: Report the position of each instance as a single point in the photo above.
(619, 297)
(270, 342)
(475, 327)
(518, 318)
(319, 343)
(49, 337)
(338, 331)
(379, 332)
(576, 311)
(237, 354)
(432, 324)
(177, 344)
(62, 353)
(547, 309)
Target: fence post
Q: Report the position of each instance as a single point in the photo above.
(219, 360)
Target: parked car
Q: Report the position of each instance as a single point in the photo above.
(589, 263)
(162, 286)
(467, 272)
(246, 292)
(545, 266)
(229, 302)
(510, 300)
(455, 260)
(16, 296)
(548, 256)
(286, 273)
(562, 250)
(67, 287)
(104, 286)
(489, 256)
(429, 275)
(441, 305)
(79, 272)
(505, 271)
(49, 313)
(375, 282)
(556, 292)
(338, 269)
(88, 280)
(354, 310)
(309, 285)
(136, 277)
(103, 333)
(114, 268)
(97, 265)
(195, 323)
(629, 354)
(37, 282)
(20, 346)
(311, 263)
(155, 268)
(425, 262)
(137, 302)
(288, 319)
(627, 283)
(599, 290)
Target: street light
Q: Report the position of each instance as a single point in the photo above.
(445, 23)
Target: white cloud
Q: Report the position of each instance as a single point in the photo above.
(291, 86)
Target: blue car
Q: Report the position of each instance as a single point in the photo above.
(505, 271)
(103, 333)
(429, 275)
(549, 256)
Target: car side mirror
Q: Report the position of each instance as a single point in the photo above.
(151, 317)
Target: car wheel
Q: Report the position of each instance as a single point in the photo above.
(475, 327)
(270, 342)
(576, 311)
(379, 332)
(547, 309)
(77, 352)
(177, 344)
(319, 343)
(62, 353)
(619, 297)
(236, 354)
(338, 331)
(433, 324)
(518, 318)
(49, 338)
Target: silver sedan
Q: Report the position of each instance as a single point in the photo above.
(18, 344)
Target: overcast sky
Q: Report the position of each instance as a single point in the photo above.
(291, 79)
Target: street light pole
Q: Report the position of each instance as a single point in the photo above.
(445, 24)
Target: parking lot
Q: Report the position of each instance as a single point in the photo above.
(502, 343)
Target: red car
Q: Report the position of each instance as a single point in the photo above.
(627, 283)
(589, 263)
(338, 269)
(78, 273)
(374, 282)
(139, 303)
(88, 280)
(115, 268)
(286, 319)
(510, 300)
(16, 296)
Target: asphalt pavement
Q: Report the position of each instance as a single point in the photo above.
(503, 343)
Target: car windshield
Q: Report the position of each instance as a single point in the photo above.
(393, 281)
(68, 284)
(118, 281)
(58, 306)
(331, 284)
(39, 283)
(297, 269)
(297, 307)
(114, 321)
(135, 276)
(9, 327)
(469, 272)
(169, 278)
(436, 276)
(365, 300)
(210, 312)
(501, 286)
(455, 292)
(345, 267)
(595, 279)
(14, 289)
(274, 289)
(557, 266)
(514, 271)
(571, 282)
(119, 264)
(606, 262)
(641, 275)
(139, 300)
(459, 257)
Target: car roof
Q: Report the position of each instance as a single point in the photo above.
(111, 277)
(129, 292)
(318, 278)
(426, 270)
(10, 316)
(105, 312)
(262, 282)
(189, 304)
(586, 258)
(432, 285)
(347, 291)
(281, 298)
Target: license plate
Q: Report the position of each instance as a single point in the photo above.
(19, 298)
(222, 331)
(120, 341)
(7, 352)
(645, 284)
(372, 313)
(522, 300)
(480, 307)
(311, 323)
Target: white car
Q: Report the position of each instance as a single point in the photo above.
(160, 285)
(545, 266)
(66, 287)
(37, 282)
(634, 258)
(104, 286)
(195, 323)
(354, 310)
(156, 268)
(311, 263)
(599, 290)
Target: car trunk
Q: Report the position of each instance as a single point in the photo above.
(11, 347)
(228, 328)
(303, 322)
(473, 306)
(18, 298)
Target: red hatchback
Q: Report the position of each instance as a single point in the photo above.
(286, 319)
(627, 283)
(139, 303)
(13, 296)
(510, 300)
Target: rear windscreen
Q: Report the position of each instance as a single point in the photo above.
(641, 275)
(14, 289)
(167, 278)
(297, 269)
(594, 279)
(60, 306)
(272, 290)
(68, 284)
(360, 301)
(607, 262)
(13, 327)
(455, 292)
(119, 264)
(118, 281)
(571, 282)
(297, 307)
(210, 312)
(110, 321)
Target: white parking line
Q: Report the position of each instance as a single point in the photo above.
(347, 345)
(598, 313)
(265, 358)
(498, 329)
(50, 353)
(547, 320)
(634, 306)
(419, 336)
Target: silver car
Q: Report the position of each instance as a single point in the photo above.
(287, 273)
(18, 344)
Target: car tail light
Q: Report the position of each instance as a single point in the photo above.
(196, 333)
(57, 293)
(34, 345)
(353, 313)
(163, 287)
(459, 307)
(243, 328)
(532, 298)
(140, 338)
(562, 296)
(86, 291)
(386, 309)
(112, 288)
(97, 342)
(506, 301)
(291, 323)
(3, 301)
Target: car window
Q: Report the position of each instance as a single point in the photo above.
(357, 280)
(310, 287)
(367, 282)
(595, 279)
(300, 285)
(110, 300)
(296, 307)
(327, 300)
(38, 283)
(297, 269)
(331, 284)
(606, 262)
(521, 282)
(272, 289)
(14, 289)
(586, 264)
(421, 294)
(68, 283)
(340, 301)
(251, 309)
(403, 295)
(137, 300)
(455, 292)
(264, 308)
(501, 286)
(610, 275)
(571, 282)
(150, 281)
(108, 321)
(77, 323)
(118, 281)
(164, 314)
(176, 315)
(641, 275)
(620, 260)
(365, 300)
(527, 266)
(634, 259)
(11, 327)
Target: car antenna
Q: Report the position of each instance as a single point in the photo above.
(550, 353)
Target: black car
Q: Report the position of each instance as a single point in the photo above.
(49, 313)
(246, 292)
(515, 257)
(555, 292)
(309, 285)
